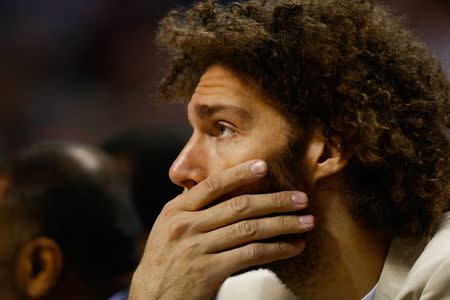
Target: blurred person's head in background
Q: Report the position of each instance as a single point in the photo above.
(67, 226)
(145, 158)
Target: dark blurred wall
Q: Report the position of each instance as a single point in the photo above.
(81, 70)
(430, 20)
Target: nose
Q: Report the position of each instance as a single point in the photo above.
(189, 168)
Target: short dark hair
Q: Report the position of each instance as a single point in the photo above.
(350, 65)
(85, 208)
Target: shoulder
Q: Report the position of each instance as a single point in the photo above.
(429, 278)
(438, 285)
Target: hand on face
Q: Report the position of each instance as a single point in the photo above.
(196, 243)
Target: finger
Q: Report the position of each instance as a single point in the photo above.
(255, 254)
(221, 183)
(249, 206)
(248, 231)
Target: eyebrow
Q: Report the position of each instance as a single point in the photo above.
(204, 111)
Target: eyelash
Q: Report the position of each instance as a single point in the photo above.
(219, 126)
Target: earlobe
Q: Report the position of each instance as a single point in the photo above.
(325, 156)
(40, 264)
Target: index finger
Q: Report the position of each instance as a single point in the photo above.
(221, 183)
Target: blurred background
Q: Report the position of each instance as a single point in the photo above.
(86, 70)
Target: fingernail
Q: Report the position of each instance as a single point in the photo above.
(306, 220)
(299, 199)
(259, 167)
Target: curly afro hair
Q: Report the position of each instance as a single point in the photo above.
(349, 64)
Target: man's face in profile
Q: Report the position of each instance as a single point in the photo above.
(231, 124)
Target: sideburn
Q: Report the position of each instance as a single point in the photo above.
(287, 169)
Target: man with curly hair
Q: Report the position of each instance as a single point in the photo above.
(319, 150)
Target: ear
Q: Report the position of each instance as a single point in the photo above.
(40, 264)
(324, 156)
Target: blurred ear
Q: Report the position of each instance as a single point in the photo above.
(40, 264)
(324, 156)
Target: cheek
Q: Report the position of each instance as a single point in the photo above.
(232, 153)
(225, 154)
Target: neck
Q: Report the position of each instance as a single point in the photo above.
(353, 255)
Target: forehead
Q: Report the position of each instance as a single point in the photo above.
(223, 88)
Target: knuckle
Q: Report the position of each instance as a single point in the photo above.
(254, 252)
(191, 249)
(240, 204)
(280, 247)
(285, 221)
(248, 228)
(177, 229)
(279, 200)
(237, 175)
(211, 184)
(230, 234)
(168, 209)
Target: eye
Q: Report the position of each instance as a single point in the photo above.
(224, 130)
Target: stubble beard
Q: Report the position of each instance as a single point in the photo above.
(301, 273)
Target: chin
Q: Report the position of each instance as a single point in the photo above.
(302, 273)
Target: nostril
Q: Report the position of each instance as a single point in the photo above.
(188, 184)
